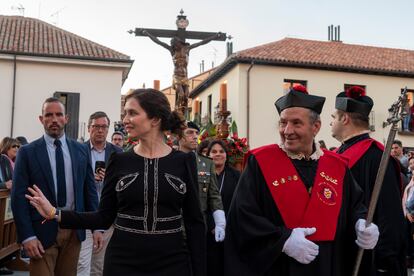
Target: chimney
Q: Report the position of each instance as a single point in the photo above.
(229, 48)
(156, 84)
(339, 32)
(329, 33)
(334, 34)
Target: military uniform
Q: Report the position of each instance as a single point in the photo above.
(210, 199)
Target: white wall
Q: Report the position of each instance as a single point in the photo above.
(233, 96)
(99, 89)
(6, 88)
(266, 86)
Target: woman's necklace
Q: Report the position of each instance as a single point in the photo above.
(222, 182)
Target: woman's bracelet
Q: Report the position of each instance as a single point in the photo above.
(52, 215)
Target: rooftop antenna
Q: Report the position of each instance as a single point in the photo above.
(215, 51)
(56, 16)
(19, 7)
(38, 11)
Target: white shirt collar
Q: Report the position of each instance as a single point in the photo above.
(299, 156)
(51, 141)
(93, 148)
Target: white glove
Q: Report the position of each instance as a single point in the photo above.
(367, 237)
(220, 229)
(299, 247)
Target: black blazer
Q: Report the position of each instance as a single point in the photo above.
(229, 185)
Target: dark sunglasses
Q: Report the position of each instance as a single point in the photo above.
(16, 146)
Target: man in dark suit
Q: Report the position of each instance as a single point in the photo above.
(99, 150)
(60, 167)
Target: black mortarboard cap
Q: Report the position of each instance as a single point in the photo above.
(298, 97)
(354, 100)
(191, 124)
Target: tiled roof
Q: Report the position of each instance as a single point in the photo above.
(29, 36)
(333, 54)
(323, 55)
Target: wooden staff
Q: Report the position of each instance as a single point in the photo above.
(397, 113)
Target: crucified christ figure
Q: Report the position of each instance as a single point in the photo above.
(180, 51)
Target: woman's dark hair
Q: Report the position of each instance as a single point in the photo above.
(7, 143)
(202, 146)
(222, 144)
(156, 105)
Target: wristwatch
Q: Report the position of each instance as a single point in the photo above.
(57, 214)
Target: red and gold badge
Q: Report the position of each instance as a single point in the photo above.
(327, 193)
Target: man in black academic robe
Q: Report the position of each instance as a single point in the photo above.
(258, 241)
(350, 125)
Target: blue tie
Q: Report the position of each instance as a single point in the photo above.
(60, 175)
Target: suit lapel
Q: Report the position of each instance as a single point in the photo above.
(88, 146)
(108, 151)
(43, 157)
(74, 156)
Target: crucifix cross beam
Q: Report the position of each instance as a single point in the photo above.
(180, 51)
(181, 35)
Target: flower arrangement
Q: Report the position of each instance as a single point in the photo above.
(130, 142)
(236, 147)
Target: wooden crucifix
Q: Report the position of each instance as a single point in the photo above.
(180, 51)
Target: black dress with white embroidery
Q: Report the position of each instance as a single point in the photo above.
(148, 200)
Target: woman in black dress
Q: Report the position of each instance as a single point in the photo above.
(227, 179)
(149, 195)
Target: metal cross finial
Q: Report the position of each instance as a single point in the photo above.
(397, 110)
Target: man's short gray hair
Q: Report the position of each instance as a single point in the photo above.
(313, 116)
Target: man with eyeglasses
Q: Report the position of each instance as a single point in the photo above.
(93, 248)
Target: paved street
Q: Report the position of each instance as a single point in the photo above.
(20, 273)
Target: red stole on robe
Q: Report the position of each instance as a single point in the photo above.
(297, 207)
(356, 151)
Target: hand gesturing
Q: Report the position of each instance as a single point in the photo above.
(40, 202)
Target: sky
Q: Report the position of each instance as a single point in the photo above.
(380, 23)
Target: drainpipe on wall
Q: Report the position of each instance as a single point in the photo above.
(248, 104)
(13, 96)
